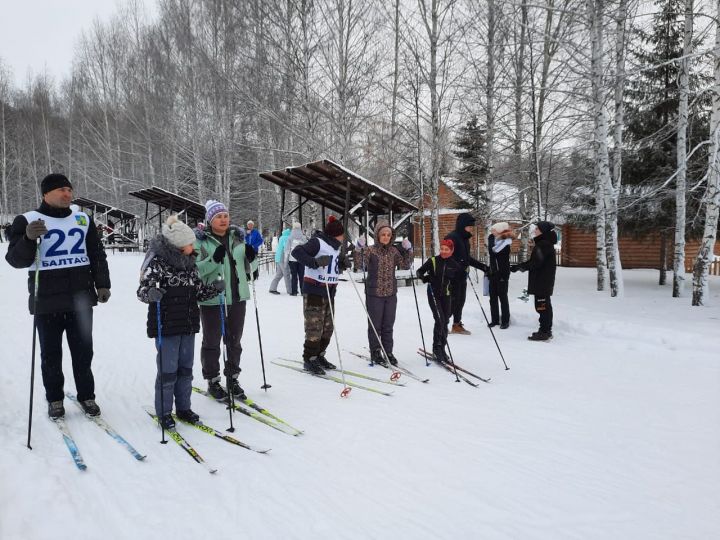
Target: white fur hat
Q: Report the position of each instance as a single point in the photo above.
(500, 228)
(177, 233)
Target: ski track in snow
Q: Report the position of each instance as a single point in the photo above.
(610, 431)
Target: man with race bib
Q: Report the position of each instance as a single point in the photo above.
(73, 277)
(323, 265)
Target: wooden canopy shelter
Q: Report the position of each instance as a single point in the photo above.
(172, 202)
(341, 190)
(121, 233)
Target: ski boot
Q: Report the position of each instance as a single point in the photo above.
(439, 354)
(391, 358)
(56, 409)
(167, 422)
(216, 390)
(236, 389)
(188, 416)
(376, 357)
(90, 407)
(313, 366)
(324, 363)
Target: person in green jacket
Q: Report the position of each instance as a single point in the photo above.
(223, 254)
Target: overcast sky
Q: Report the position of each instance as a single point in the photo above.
(35, 34)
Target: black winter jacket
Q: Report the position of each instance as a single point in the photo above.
(499, 262)
(461, 239)
(541, 264)
(167, 267)
(305, 254)
(440, 273)
(63, 289)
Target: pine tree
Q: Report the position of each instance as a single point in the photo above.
(472, 175)
(651, 157)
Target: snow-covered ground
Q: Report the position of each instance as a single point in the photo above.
(610, 431)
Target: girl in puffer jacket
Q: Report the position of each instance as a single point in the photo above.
(170, 280)
(380, 262)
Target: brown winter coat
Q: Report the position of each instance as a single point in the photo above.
(380, 262)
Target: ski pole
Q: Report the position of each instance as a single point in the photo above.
(265, 385)
(444, 322)
(32, 362)
(160, 375)
(488, 323)
(345, 391)
(417, 307)
(228, 374)
(395, 374)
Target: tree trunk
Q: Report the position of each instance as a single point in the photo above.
(613, 184)
(596, 9)
(680, 179)
(712, 195)
(525, 213)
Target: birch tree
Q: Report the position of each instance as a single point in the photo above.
(712, 194)
(681, 175)
(596, 11)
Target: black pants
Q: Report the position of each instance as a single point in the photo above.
(297, 272)
(382, 311)
(441, 309)
(78, 327)
(499, 301)
(543, 306)
(212, 335)
(459, 290)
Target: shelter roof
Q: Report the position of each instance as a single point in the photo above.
(102, 208)
(325, 182)
(171, 201)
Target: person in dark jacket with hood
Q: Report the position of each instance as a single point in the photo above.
(541, 279)
(323, 265)
(499, 242)
(380, 261)
(461, 240)
(73, 277)
(439, 272)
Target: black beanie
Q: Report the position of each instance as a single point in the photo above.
(545, 226)
(54, 181)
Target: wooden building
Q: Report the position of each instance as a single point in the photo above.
(649, 251)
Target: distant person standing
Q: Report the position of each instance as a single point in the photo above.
(461, 253)
(73, 277)
(297, 270)
(499, 242)
(253, 236)
(282, 268)
(541, 279)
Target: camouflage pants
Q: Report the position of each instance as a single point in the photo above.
(318, 324)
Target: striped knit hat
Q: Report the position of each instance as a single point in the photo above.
(212, 209)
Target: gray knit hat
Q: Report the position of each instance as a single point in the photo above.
(177, 233)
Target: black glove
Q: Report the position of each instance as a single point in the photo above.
(155, 294)
(425, 279)
(255, 275)
(322, 260)
(103, 295)
(250, 253)
(514, 268)
(219, 254)
(35, 229)
(219, 285)
(344, 264)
